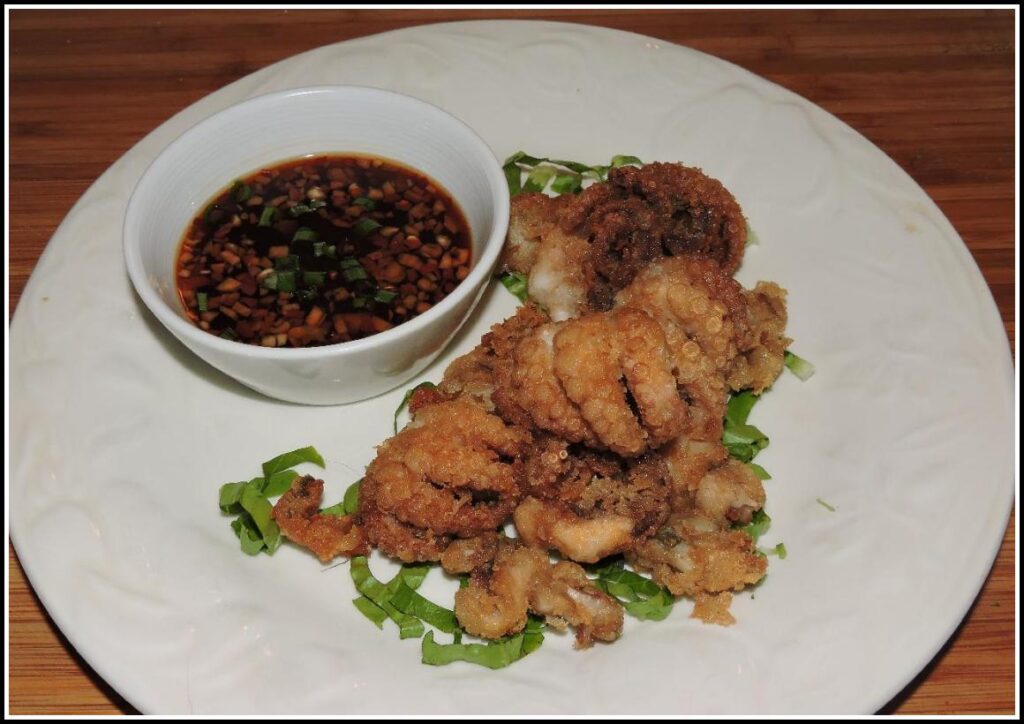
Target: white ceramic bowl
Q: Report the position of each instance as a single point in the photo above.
(294, 123)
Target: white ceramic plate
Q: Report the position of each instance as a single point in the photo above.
(120, 437)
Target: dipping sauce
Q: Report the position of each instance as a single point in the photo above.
(321, 250)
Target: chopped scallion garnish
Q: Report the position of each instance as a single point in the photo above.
(314, 278)
(365, 227)
(201, 301)
(305, 234)
(241, 191)
(516, 283)
(367, 203)
(798, 366)
(287, 263)
(354, 274)
(384, 296)
(269, 215)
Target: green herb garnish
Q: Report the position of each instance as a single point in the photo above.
(305, 234)
(494, 655)
(314, 278)
(269, 215)
(640, 596)
(516, 283)
(758, 525)
(355, 274)
(384, 296)
(295, 457)
(241, 191)
(378, 593)
(287, 263)
(563, 176)
(364, 227)
(367, 203)
(201, 301)
(826, 506)
(743, 441)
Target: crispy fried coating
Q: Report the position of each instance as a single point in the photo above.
(581, 250)
(472, 376)
(605, 380)
(588, 505)
(522, 579)
(464, 555)
(327, 536)
(762, 351)
(730, 493)
(691, 556)
(702, 314)
(452, 472)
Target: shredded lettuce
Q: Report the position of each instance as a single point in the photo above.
(563, 176)
(743, 441)
(286, 460)
(640, 597)
(494, 655)
(408, 601)
(408, 396)
(379, 594)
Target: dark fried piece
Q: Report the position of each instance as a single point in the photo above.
(645, 213)
(522, 579)
(588, 505)
(452, 472)
(328, 536)
(581, 250)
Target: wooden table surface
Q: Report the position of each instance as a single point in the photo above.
(933, 89)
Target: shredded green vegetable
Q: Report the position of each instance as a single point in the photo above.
(556, 175)
(494, 655)
(516, 283)
(826, 506)
(378, 593)
(758, 525)
(640, 596)
(743, 441)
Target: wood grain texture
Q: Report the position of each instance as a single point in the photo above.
(933, 89)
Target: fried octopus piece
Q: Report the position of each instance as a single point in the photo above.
(762, 352)
(581, 250)
(452, 472)
(694, 556)
(328, 536)
(604, 380)
(588, 505)
(702, 313)
(698, 553)
(472, 376)
(522, 579)
(465, 555)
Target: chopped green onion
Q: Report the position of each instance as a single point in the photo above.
(319, 248)
(408, 396)
(201, 301)
(348, 262)
(384, 296)
(314, 278)
(241, 191)
(317, 204)
(287, 263)
(269, 215)
(305, 234)
(355, 274)
(516, 283)
(625, 161)
(779, 550)
(229, 334)
(295, 457)
(286, 281)
(798, 366)
(539, 175)
(359, 301)
(367, 203)
(739, 407)
(364, 227)
(299, 209)
(826, 506)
